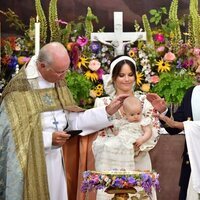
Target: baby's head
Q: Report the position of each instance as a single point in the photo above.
(133, 109)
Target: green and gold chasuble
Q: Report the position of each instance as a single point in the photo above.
(22, 161)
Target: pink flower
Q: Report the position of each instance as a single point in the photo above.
(160, 49)
(169, 57)
(187, 63)
(196, 51)
(94, 65)
(82, 41)
(154, 79)
(159, 37)
(60, 21)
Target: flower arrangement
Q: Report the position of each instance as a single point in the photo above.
(165, 61)
(93, 180)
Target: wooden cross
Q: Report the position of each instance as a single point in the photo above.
(118, 39)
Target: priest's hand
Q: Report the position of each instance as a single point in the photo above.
(115, 104)
(59, 138)
(157, 102)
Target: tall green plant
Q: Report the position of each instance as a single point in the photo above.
(173, 17)
(53, 25)
(194, 23)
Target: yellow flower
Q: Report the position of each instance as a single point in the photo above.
(99, 87)
(83, 61)
(99, 92)
(139, 78)
(131, 53)
(145, 87)
(93, 76)
(163, 66)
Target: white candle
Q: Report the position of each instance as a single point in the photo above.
(37, 36)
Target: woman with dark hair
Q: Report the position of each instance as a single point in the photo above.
(108, 152)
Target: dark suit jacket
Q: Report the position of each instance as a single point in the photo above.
(183, 113)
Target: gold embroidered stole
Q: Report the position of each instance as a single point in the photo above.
(24, 107)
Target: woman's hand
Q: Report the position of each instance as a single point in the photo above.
(170, 122)
(59, 138)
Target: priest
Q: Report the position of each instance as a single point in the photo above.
(35, 110)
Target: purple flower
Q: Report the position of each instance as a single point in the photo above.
(157, 184)
(85, 186)
(86, 174)
(95, 47)
(146, 183)
(117, 183)
(179, 64)
(132, 181)
(13, 62)
(187, 63)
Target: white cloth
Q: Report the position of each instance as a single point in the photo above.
(195, 103)
(191, 193)
(88, 121)
(117, 158)
(192, 134)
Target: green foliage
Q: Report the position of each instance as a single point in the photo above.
(194, 31)
(79, 86)
(157, 15)
(7, 48)
(173, 17)
(13, 20)
(88, 22)
(173, 86)
(53, 18)
(147, 28)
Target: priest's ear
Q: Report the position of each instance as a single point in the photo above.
(41, 65)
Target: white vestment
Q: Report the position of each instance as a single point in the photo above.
(192, 135)
(88, 121)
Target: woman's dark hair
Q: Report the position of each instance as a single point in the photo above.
(119, 65)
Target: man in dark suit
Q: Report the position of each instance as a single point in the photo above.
(183, 113)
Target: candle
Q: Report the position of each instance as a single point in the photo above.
(37, 36)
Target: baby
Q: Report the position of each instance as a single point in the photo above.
(129, 136)
(133, 128)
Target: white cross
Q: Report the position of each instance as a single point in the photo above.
(118, 39)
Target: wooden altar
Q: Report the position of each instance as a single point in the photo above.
(166, 160)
